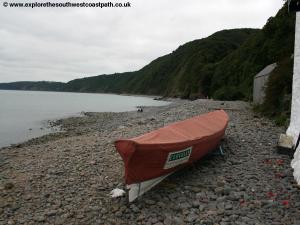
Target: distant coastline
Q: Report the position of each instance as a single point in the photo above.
(154, 97)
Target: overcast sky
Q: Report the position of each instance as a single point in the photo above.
(61, 44)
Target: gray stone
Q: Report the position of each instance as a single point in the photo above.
(191, 217)
(201, 208)
(219, 190)
(234, 196)
(39, 218)
(168, 221)
(228, 207)
(227, 190)
(149, 202)
(51, 212)
(184, 205)
(195, 203)
(178, 221)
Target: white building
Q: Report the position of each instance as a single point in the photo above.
(294, 128)
(260, 83)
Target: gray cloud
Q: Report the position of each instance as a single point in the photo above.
(65, 43)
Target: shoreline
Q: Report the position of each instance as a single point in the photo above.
(53, 126)
(67, 179)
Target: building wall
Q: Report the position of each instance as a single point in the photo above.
(294, 127)
(259, 87)
(295, 110)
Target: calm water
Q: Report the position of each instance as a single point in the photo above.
(24, 114)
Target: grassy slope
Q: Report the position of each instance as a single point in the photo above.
(175, 74)
(274, 43)
(221, 66)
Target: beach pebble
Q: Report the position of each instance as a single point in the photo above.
(117, 192)
(66, 177)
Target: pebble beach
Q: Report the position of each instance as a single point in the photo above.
(67, 177)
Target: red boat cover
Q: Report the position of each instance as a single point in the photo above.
(169, 148)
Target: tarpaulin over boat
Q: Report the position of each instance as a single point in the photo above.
(167, 149)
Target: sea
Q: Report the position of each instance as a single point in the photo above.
(25, 114)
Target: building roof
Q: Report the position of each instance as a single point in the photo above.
(294, 5)
(267, 70)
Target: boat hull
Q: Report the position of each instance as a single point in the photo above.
(168, 149)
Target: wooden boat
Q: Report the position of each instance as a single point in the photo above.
(153, 156)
